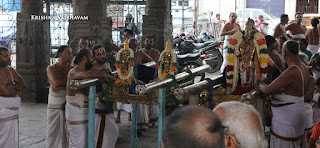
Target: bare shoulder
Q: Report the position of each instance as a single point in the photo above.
(156, 51)
(51, 67)
(12, 69)
(227, 24)
(290, 26)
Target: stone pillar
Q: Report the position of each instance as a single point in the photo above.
(98, 26)
(33, 51)
(157, 22)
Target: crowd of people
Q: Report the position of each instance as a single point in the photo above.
(294, 85)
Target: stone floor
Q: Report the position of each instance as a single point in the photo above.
(33, 124)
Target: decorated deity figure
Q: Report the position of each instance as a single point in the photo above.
(247, 57)
(167, 64)
(125, 63)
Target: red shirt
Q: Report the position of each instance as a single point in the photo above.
(316, 131)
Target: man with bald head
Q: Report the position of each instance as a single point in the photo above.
(192, 127)
(244, 128)
(291, 92)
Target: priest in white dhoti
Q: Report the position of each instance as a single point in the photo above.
(289, 115)
(11, 84)
(77, 99)
(106, 130)
(56, 120)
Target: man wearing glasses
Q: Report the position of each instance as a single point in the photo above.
(243, 124)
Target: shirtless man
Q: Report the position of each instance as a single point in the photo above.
(142, 116)
(106, 129)
(77, 100)
(280, 29)
(297, 30)
(127, 34)
(89, 43)
(57, 76)
(148, 53)
(290, 90)
(227, 31)
(82, 44)
(11, 84)
(312, 37)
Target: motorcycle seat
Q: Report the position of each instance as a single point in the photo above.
(189, 56)
(200, 45)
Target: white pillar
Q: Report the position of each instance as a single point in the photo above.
(290, 8)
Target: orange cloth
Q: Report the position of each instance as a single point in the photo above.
(316, 132)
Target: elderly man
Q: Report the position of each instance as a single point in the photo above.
(312, 37)
(297, 30)
(57, 76)
(192, 127)
(77, 100)
(11, 84)
(106, 128)
(290, 91)
(243, 123)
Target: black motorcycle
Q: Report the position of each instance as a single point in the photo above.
(208, 52)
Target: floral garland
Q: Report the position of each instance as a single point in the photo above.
(119, 63)
(233, 62)
(173, 66)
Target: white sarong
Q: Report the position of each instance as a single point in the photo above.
(298, 37)
(106, 130)
(313, 48)
(77, 122)
(309, 116)
(287, 121)
(56, 120)
(142, 117)
(124, 106)
(9, 127)
(225, 51)
(153, 113)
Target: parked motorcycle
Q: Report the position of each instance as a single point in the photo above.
(209, 52)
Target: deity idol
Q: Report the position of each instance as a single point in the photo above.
(246, 60)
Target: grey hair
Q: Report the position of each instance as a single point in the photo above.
(237, 118)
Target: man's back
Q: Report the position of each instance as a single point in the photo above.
(312, 36)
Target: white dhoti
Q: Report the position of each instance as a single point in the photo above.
(309, 116)
(153, 113)
(124, 106)
(316, 74)
(225, 51)
(106, 130)
(56, 120)
(9, 127)
(297, 37)
(288, 121)
(142, 117)
(313, 48)
(77, 121)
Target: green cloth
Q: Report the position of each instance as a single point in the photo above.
(308, 53)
